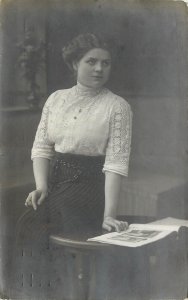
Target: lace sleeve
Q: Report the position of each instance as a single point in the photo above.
(42, 146)
(119, 142)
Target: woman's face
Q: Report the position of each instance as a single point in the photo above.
(93, 69)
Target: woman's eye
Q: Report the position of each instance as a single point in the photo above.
(106, 63)
(91, 62)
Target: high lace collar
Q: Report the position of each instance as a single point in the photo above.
(84, 91)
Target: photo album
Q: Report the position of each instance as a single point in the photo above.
(142, 234)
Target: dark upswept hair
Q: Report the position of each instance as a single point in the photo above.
(83, 43)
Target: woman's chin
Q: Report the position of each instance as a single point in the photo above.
(96, 84)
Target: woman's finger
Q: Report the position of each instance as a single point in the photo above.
(34, 201)
(123, 225)
(42, 198)
(106, 227)
(116, 224)
(117, 227)
(111, 223)
(28, 200)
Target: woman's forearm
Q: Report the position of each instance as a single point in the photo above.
(112, 193)
(41, 171)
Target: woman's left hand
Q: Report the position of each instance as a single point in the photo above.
(110, 224)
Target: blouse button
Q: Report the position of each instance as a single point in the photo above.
(75, 118)
(80, 110)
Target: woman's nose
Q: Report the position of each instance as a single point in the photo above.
(98, 67)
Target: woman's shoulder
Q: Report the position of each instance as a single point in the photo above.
(56, 96)
(59, 93)
(116, 101)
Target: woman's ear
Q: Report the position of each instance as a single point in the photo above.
(75, 66)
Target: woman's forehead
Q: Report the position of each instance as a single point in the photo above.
(98, 53)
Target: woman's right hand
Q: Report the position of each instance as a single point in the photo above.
(36, 198)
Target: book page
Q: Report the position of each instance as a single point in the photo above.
(142, 234)
(156, 227)
(133, 237)
(169, 221)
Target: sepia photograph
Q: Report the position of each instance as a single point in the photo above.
(93, 138)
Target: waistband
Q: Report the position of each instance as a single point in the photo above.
(78, 160)
(70, 167)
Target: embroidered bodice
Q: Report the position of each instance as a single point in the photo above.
(86, 121)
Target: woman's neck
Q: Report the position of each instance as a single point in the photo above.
(87, 91)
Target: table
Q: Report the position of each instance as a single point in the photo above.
(164, 265)
(84, 275)
(85, 284)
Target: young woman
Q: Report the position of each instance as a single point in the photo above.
(84, 136)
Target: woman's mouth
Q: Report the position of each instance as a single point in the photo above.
(97, 77)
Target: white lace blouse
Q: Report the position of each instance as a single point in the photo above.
(84, 121)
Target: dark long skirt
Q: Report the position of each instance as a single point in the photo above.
(74, 207)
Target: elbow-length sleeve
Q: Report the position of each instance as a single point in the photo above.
(42, 146)
(119, 141)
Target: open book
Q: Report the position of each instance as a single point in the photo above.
(141, 234)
